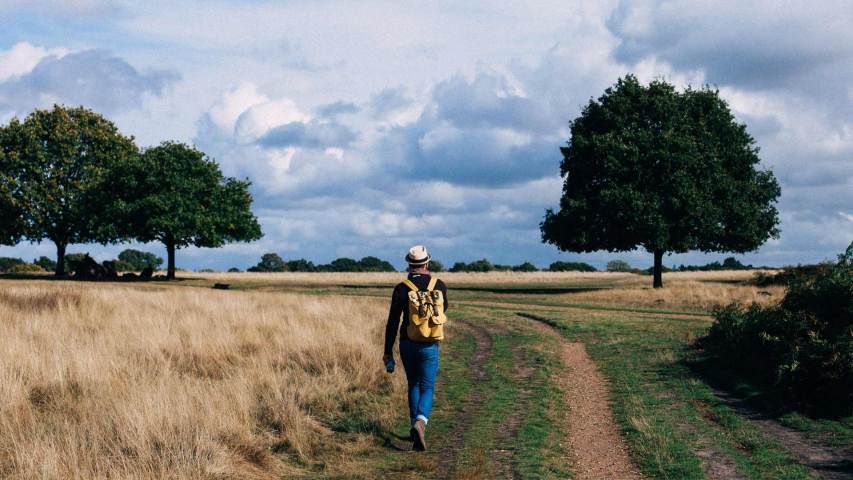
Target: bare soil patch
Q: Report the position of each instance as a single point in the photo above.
(598, 449)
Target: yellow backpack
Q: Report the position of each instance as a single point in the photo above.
(426, 313)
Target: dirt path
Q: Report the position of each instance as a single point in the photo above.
(832, 463)
(504, 458)
(473, 404)
(599, 450)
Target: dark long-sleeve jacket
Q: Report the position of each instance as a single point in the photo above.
(399, 304)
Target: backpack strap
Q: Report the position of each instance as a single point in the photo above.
(432, 282)
(411, 285)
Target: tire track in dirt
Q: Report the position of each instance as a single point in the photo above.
(832, 463)
(716, 464)
(597, 448)
(473, 403)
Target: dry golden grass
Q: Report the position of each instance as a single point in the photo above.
(678, 294)
(148, 380)
(103, 381)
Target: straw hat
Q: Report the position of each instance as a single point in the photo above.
(418, 255)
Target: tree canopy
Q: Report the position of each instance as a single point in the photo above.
(138, 260)
(61, 160)
(571, 267)
(11, 204)
(619, 266)
(175, 194)
(270, 262)
(647, 166)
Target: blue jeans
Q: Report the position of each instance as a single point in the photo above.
(420, 360)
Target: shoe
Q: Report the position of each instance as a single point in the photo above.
(418, 433)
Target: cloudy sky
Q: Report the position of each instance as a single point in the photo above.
(366, 127)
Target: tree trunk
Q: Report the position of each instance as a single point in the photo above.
(658, 282)
(60, 259)
(170, 249)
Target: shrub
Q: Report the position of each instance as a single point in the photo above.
(47, 263)
(435, 266)
(571, 267)
(301, 265)
(459, 267)
(24, 268)
(343, 264)
(366, 264)
(482, 265)
(525, 267)
(619, 266)
(234, 270)
(270, 262)
(6, 263)
(791, 274)
(729, 263)
(73, 259)
(373, 264)
(123, 266)
(136, 260)
(803, 345)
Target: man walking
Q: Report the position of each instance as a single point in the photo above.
(421, 300)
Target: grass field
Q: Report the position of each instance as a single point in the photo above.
(280, 377)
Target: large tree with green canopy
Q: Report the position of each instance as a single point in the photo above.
(649, 167)
(174, 194)
(11, 201)
(62, 157)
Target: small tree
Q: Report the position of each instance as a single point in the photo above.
(619, 266)
(374, 264)
(45, 263)
(525, 267)
(301, 265)
(343, 264)
(270, 262)
(459, 267)
(435, 266)
(175, 194)
(138, 260)
(571, 267)
(482, 265)
(647, 166)
(64, 156)
(6, 263)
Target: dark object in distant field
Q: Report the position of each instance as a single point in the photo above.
(222, 286)
(129, 276)
(87, 268)
(109, 269)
